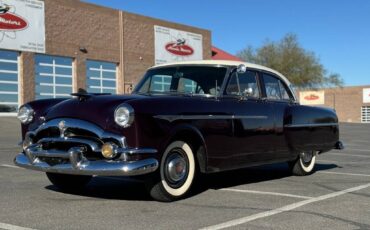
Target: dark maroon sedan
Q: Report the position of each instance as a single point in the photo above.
(182, 119)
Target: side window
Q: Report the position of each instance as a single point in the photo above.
(244, 84)
(275, 89)
(189, 86)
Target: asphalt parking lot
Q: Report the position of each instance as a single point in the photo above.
(337, 196)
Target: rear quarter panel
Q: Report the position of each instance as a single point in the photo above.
(311, 128)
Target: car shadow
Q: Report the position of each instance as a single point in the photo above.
(121, 188)
(254, 175)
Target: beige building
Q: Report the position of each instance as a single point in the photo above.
(351, 103)
(51, 48)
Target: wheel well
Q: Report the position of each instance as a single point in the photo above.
(196, 143)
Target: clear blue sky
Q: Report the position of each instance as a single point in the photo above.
(338, 31)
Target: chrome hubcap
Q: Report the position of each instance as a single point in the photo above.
(176, 168)
(307, 157)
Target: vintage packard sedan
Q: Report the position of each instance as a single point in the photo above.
(182, 120)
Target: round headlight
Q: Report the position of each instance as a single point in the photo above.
(124, 115)
(25, 114)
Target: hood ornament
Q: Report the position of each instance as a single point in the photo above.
(62, 128)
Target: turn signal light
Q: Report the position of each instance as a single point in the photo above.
(108, 150)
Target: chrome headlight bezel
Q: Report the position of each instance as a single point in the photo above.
(25, 114)
(124, 115)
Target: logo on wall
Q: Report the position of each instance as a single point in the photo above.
(312, 97)
(179, 48)
(176, 45)
(10, 22)
(366, 95)
(22, 25)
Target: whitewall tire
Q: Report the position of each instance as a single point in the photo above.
(305, 164)
(177, 172)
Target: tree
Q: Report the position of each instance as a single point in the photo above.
(300, 66)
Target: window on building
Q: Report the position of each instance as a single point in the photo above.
(8, 81)
(365, 114)
(101, 77)
(53, 76)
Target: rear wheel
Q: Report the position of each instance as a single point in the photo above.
(68, 182)
(177, 173)
(305, 163)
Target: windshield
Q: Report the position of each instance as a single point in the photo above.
(194, 80)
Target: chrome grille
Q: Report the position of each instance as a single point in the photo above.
(56, 137)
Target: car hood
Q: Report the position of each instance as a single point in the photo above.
(98, 109)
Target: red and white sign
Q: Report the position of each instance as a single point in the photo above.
(175, 45)
(22, 25)
(312, 97)
(179, 49)
(366, 95)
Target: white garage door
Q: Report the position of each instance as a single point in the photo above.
(365, 114)
(8, 82)
(53, 76)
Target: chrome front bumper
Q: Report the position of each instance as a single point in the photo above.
(76, 138)
(78, 165)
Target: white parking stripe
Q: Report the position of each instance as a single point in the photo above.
(360, 150)
(348, 174)
(344, 162)
(347, 155)
(10, 166)
(286, 208)
(265, 193)
(13, 227)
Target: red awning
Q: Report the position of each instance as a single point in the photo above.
(218, 54)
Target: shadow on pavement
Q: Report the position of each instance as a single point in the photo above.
(121, 188)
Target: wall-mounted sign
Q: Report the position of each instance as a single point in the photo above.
(22, 25)
(312, 97)
(176, 45)
(366, 95)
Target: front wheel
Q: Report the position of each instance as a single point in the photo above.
(68, 182)
(305, 163)
(177, 173)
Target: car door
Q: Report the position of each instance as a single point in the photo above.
(278, 96)
(253, 121)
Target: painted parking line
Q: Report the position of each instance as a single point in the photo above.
(347, 155)
(265, 193)
(286, 208)
(347, 174)
(359, 150)
(344, 162)
(10, 166)
(13, 227)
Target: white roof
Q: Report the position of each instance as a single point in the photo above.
(224, 63)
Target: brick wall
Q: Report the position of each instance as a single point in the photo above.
(347, 101)
(127, 40)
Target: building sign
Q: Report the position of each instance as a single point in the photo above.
(175, 45)
(22, 25)
(366, 95)
(312, 97)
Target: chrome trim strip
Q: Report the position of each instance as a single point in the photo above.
(80, 166)
(310, 125)
(171, 118)
(93, 145)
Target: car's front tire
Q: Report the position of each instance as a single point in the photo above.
(304, 164)
(68, 182)
(176, 173)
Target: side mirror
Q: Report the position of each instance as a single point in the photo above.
(241, 69)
